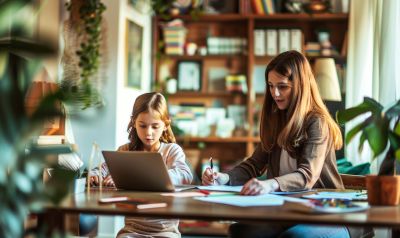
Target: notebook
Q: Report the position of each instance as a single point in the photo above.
(140, 171)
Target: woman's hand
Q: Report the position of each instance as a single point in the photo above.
(216, 178)
(257, 187)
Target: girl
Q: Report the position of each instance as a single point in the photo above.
(150, 130)
(298, 142)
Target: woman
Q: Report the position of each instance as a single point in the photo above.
(298, 142)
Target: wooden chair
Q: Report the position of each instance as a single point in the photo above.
(353, 181)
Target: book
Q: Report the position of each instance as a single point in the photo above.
(259, 42)
(51, 139)
(270, 5)
(265, 6)
(271, 42)
(127, 202)
(296, 40)
(257, 7)
(284, 40)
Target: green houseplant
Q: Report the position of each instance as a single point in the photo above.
(21, 160)
(381, 129)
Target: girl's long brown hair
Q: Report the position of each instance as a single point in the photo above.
(286, 128)
(149, 102)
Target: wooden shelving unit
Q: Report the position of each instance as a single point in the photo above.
(243, 26)
(215, 139)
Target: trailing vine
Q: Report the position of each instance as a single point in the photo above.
(90, 16)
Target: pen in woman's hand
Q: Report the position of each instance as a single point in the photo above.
(212, 170)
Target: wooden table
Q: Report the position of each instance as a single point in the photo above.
(188, 208)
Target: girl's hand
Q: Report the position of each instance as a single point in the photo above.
(257, 187)
(108, 181)
(216, 178)
(94, 180)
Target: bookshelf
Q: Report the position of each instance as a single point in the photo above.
(236, 26)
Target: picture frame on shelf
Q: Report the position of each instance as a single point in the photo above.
(189, 75)
(134, 54)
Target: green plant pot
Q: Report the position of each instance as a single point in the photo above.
(79, 185)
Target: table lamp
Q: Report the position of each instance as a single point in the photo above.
(327, 79)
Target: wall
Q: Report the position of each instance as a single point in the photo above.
(126, 96)
(108, 127)
(48, 28)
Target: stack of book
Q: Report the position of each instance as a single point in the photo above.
(236, 83)
(174, 37)
(51, 139)
(313, 49)
(226, 45)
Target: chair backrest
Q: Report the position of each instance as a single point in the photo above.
(353, 181)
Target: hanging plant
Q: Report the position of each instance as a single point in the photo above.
(89, 13)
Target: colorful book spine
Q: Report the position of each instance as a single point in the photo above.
(265, 6)
(257, 7)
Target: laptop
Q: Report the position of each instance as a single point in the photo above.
(140, 171)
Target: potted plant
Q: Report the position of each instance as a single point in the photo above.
(381, 129)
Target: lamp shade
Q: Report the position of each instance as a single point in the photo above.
(41, 87)
(327, 79)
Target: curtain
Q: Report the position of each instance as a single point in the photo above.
(373, 60)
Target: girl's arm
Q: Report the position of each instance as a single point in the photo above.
(96, 172)
(252, 167)
(103, 171)
(178, 170)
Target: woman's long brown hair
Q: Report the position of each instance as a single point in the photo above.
(286, 128)
(149, 102)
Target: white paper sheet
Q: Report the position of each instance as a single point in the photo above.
(248, 201)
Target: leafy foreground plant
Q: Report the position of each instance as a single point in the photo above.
(21, 161)
(380, 128)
